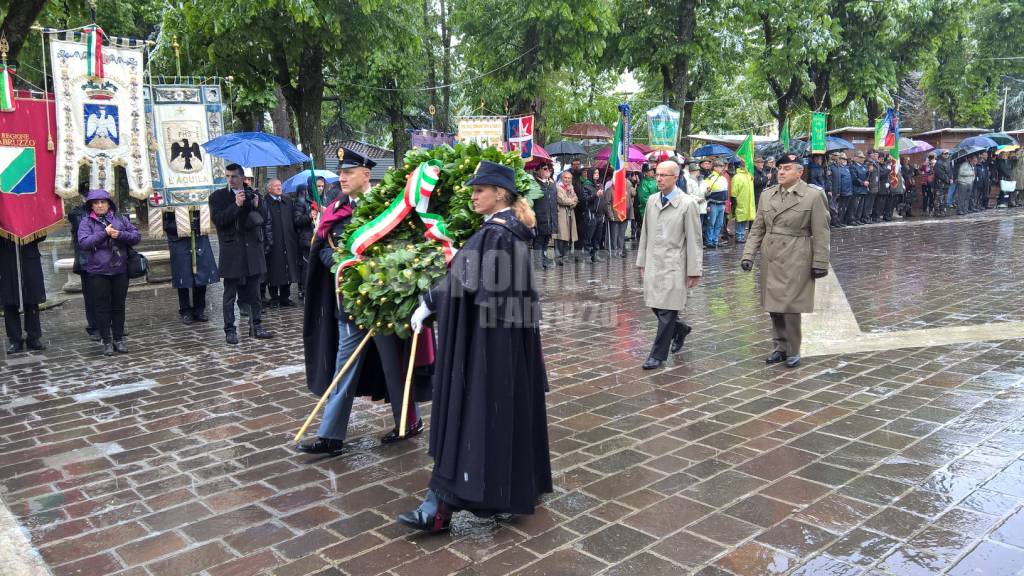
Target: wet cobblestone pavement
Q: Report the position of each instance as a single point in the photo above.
(175, 458)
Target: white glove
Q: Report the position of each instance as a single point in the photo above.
(421, 314)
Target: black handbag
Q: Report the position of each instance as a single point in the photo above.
(138, 266)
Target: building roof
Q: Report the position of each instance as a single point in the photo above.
(364, 148)
(904, 130)
(734, 139)
(853, 129)
(952, 131)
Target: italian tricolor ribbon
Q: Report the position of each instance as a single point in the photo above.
(94, 49)
(418, 188)
(7, 89)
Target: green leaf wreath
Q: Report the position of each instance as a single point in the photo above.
(383, 290)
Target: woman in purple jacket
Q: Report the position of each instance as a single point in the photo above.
(105, 236)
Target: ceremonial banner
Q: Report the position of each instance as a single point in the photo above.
(818, 123)
(519, 135)
(887, 133)
(663, 127)
(100, 122)
(483, 130)
(28, 206)
(179, 118)
(428, 139)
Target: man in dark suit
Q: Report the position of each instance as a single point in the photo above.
(283, 249)
(235, 213)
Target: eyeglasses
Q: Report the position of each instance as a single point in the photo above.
(664, 175)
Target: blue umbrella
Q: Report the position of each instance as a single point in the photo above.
(712, 150)
(978, 141)
(302, 178)
(837, 143)
(252, 149)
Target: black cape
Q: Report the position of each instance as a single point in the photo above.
(488, 431)
(320, 334)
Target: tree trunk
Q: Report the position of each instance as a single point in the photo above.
(686, 122)
(446, 68)
(873, 108)
(305, 97)
(685, 19)
(282, 128)
(247, 120)
(399, 136)
(17, 25)
(428, 46)
(522, 100)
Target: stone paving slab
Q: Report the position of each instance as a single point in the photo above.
(175, 459)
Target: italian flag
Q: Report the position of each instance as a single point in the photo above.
(94, 49)
(7, 89)
(617, 161)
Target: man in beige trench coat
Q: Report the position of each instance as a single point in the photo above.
(670, 255)
(791, 229)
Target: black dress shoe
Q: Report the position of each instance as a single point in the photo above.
(436, 523)
(35, 344)
(680, 338)
(231, 337)
(392, 437)
(187, 318)
(775, 358)
(108, 348)
(321, 446)
(286, 303)
(15, 347)
(793, 361)
(243, 311)
(200, 317)
(259, 333)
(652, 363)
(120, 346)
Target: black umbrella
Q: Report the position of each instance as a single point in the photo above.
(565, 148)
(776, 149)
(1001, 138)
(962, 151)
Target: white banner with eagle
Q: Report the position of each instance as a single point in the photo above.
(180, 118)
(101, 121)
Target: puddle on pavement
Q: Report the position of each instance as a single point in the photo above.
(112, 391)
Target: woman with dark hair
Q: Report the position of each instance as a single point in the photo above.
(488, 433)
(106, 235)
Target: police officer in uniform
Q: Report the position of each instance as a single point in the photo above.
(792, 231)
(859, 176)
(330, 337)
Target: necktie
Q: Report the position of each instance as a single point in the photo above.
(664, 200)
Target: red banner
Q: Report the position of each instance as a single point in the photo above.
(29, 207)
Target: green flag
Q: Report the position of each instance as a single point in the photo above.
(818, 123)
(746, 153)
(879, 137)
(784, 135)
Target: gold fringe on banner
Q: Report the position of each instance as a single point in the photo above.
(21, 241)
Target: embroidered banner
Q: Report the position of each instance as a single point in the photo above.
(100, 121)
(483, 130)
(519, 134)
(180, 118)
(29, 208)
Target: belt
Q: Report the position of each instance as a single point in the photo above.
(716, 201)
(786, 231)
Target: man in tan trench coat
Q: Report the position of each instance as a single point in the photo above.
(792, 231)
(671, 259)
